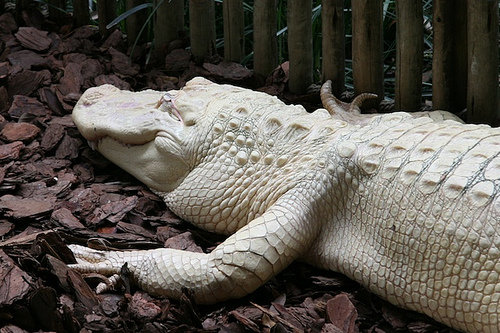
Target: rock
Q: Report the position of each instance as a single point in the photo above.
(33, 38)
(19, 132)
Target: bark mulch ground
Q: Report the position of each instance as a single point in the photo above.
(54, 190)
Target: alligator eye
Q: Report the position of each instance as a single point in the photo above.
(166, 104)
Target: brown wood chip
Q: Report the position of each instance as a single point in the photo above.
(10, 151)
(19, 132)
(33, 38)
(15, 282)
(20, 208)
(341, 312)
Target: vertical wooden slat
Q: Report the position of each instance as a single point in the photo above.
(299, 19)
(482, 87)
(134, 22)
(202, 28)
(21, 5)
(81, 14)
(265, 54)
(333, 41)
(55, 14)
(449, 60)
(367, 47)
(409, 53)
(106, 11)
(169, 23)
(234, 26)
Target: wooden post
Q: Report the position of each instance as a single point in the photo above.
(202, 28)
(265, 53)
(106, 11)
(134, 22)
(81, 15)
(55, 7)
(333, 41)
(409, 53)
(234, 26)
(367, 47)
(299, 18)
(22, 5)
(169, 24)
(449, 60)
(482, 36)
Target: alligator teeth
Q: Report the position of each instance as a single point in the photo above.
(92, 144)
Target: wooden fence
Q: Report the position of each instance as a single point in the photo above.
(465, 55)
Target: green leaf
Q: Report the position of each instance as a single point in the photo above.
(127, 14)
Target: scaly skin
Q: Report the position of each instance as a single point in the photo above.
(407, 206)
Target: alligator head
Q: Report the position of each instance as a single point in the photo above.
(150, 134)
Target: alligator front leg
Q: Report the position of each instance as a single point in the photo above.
(238, 266)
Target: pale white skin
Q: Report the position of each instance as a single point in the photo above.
(408, 207)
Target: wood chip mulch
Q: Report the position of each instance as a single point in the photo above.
(54, 190)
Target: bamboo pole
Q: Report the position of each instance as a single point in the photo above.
(234, 25)
(299, 18)
(449, 61)
(265, 54)
(106, 11)
(81, 14)
(169, 24)
(409, 53)
(367, 47)
(333, 41)
(482, 36)
(202, 28)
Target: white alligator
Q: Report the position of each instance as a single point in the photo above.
(407, 205)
